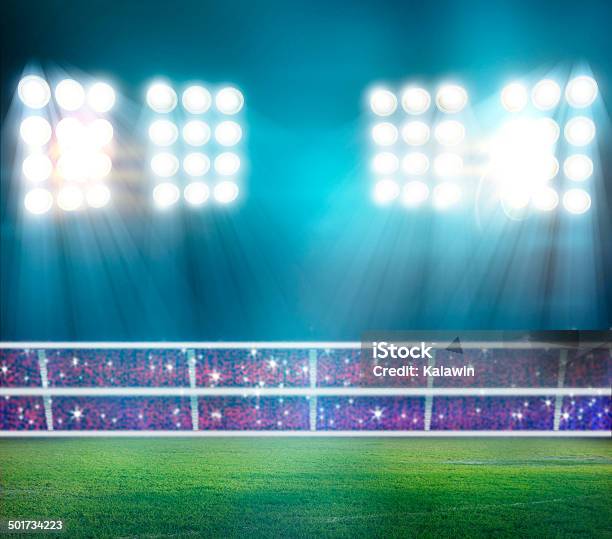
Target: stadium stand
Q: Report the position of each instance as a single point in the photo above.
(19, 368)
(586, 413)
(22, 413)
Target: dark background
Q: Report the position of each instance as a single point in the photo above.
(305, 255)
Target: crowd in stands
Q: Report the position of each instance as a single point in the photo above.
(117, 368)
(19, 368)
(370, 413)
(492, 413)
(121, 413)
(249, 368)
(22, 413)
(589, 368)
(586, 413)
(254, 413)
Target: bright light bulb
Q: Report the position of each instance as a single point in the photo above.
(514, 97)
(227, 164)
(74, 165)
(581, 92)
(415, 100)
(34, 91)
(225, 192)
(100, 166)
(445, 195)
(161, 97)
(385, 163)
(196, 133)
(101, 97)
(547, 131)
(38, 201)
(196, 164)
(98, 196)
(448, 165)
(516, 197)
(70, 198)
(229, 100)
(166, 194)
(415, 193)
(579, 131)
(546, 94)
(37, 167)
(164, 164)
(386, 191)
(576, 201)
(449, 132)
(196, 99)
(545, 199)
(383, 102)
(100, 132)
(69, 132)
(451, 98)
(415, 133)
(228, 133)
(35, 131)
(384, 134)
(196, 193)
(578, 167)
(415, 164)
(163, 132)
(69, 94)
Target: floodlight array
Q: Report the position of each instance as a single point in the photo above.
(66, 140)
(536, 161)
(419, 142)
(195, 144)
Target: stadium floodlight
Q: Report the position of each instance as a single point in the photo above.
(196, 193)
(546, 94)
(35, 131)
(415, 100)
(228, 133)
(448, 165)
(415, 133)
(166, 194)
(101, 97)
(100, 166)
(514, 97)
(34, 91)
(74, 165)
(385, 163)
(578, 167)
(449, 132)
(384, 134)
(581, 92)
(579, 131)
(576, 201)
(196, 99)
(226, 192)
(69, 94)
(446, 194)
(451, 98)
(516, 197)
(98, 195)
(196, 164)
(70, 132)
(37, 167)
(546, 131)
(196, 133)
(415, 164)
(163, 132)
(383, 102)
(545, 199)
(38, 201)
(100, 133)
(386, 191)
(415, 193)
(70, 198)
(229, 100)
(227, 164)
(164, 164)
(161, 97)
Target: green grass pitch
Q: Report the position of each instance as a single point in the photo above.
(304, 487)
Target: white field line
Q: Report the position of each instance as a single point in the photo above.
(303, 433)
(303, 391)
(249, 345)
